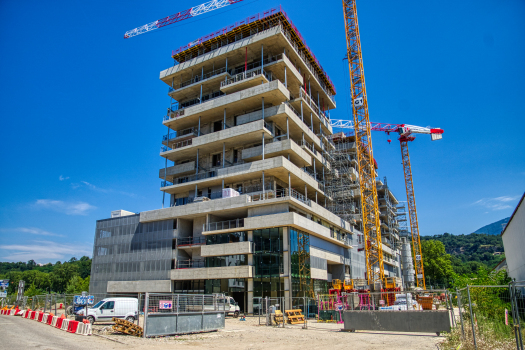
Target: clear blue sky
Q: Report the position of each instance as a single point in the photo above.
(81, 107)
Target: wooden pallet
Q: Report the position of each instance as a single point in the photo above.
(294, 316)
(126, 327)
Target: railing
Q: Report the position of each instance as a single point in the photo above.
(313, 105)
(223, 225)
(190, 264)
(196, 177)
(245, 75)
(169, 137)
(197, 79)
(191, 241)
(189, 200)
(284, 192)
(310, 147)
(165, 183)
(176, 145)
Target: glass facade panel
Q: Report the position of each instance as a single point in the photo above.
(268, 261)
(229, 260)
(300, 263)
(231, 237)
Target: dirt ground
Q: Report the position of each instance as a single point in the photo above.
(250, 336)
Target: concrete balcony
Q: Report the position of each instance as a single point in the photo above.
(231, 137)
(186, 90)
(245, 80)
(237, 248)
(237, 103)
(280, 148)
(245, 271)
(179, 169)
(278, 167)
(235, 54)
(288, 219)
(305, 104)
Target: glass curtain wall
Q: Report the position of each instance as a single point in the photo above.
(268, 261)
(300, 264)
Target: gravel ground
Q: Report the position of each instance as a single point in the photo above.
(21, 334)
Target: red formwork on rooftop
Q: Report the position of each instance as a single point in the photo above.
(272, 17)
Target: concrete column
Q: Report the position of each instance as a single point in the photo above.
(289, 184)
(224, 122)
(315, 196)
(263, 107)
(309, 88)
(305, 191)
(315, 173)
(223, 154)
(250, 296)
(302, 119)
(202, 73)
(262, 58)
(311, 121)
(195, 195)
(302, 138)
(263, 182)
(263, 146)
(197, 163)
(201, 95)
(287, 129)
(222, 183)
(285, 79)
(199, 127)
(318, 103)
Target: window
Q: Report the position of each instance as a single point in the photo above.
(110, 305)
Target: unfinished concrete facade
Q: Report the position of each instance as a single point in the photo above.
(247, 149)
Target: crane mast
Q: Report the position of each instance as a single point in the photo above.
(365, 159)
(412, 213)
(405, 132)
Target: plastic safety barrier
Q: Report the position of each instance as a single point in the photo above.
(59, 323)
(71, 326)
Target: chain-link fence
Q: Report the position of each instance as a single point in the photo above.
(491, 316)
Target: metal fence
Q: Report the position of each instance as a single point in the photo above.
(169, 314)
(491, 315)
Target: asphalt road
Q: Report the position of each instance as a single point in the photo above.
(19, 333)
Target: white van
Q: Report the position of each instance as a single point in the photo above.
(106, 309)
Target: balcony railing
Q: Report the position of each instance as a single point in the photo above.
(187, 241)
(223, 225)
(196, 177)
(189, 200)
(190, 264)
(197, 78)
(313, 105)
(284, 192)
(246, 75)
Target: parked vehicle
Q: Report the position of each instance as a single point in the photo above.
(106, 309)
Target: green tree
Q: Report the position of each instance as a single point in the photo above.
(436, 262)
(77, 285)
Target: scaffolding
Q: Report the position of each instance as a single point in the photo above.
(339, 184)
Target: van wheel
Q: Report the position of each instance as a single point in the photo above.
(236, 314)
(91, 319)
(130, 319)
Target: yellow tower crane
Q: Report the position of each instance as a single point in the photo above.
(365, 159)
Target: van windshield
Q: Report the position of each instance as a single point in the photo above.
(97, 304)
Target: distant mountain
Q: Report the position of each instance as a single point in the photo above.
(493, 229)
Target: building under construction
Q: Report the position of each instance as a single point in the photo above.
(258, 198)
